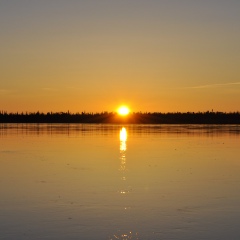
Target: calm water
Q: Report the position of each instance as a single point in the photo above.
(119, 182)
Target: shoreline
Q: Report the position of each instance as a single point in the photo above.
(132, 118)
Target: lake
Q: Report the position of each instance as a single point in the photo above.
(96, 181)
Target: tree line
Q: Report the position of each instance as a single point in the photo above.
(112, 117)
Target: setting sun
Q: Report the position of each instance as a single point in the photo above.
(123, 110)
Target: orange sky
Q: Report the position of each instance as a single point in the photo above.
(95, 55)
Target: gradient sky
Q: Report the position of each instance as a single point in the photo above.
(93, 55)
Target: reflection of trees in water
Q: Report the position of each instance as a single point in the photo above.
(59, 129)
(110, 129)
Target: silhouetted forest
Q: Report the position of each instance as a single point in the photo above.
(112, 117)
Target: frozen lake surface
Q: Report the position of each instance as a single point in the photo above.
(93, 181)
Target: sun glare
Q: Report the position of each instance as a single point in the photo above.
(123, 111)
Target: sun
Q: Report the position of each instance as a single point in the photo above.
(123, 110)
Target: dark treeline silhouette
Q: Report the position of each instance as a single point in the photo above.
(112, 117)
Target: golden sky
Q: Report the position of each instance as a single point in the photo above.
(94, 55)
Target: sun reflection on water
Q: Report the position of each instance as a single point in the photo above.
(123, 140)
(125, 188)
(123, 149)
(125, 236)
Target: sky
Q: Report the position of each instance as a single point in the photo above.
(94, 55)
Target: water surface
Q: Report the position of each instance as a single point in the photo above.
(80, 181)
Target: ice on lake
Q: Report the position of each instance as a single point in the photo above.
(96, 181)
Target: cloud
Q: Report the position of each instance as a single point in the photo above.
(50, 89)
(214, 85)
(74, 88)
(6, 91)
